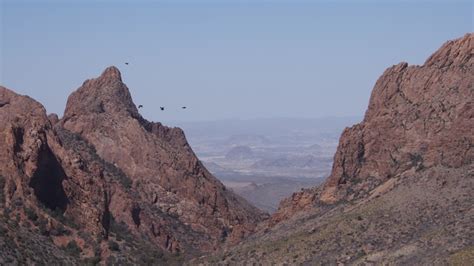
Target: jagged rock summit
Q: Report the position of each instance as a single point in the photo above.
(418, 117)
(105, 94)
(401, 186)
(104, 173)
(104, 185)
(158, 159)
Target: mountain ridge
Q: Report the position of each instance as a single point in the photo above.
(395, 93)
(114, 175)
(401, 186)
(104, 185)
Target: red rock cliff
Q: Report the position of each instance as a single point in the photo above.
(418, 117)
(104, 172)
(165, 173)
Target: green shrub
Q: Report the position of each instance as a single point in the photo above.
(13, 223)
(58, 215)
(92, 261)
(86, 236)
(120, 229)
(6, 214)
(18, 202)
(60, 230)
(3, 230)
(150, 258)
(73, 249)
(31, 214)
(114, 246)
(42, 227)
(97, 250)
(111, 260)
(2, 187)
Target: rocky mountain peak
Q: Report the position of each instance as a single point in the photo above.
(106, 94)
(419, 117)
(455, 53)
(161, 165)
(108, 171)
(111, 72)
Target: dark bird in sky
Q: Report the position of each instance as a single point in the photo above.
(162, 108)
(140, 106)
(126, 63)
(184, 107)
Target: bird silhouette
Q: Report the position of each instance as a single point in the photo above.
(184, 107)
(126, 63)
(162, 108)
(140, 106)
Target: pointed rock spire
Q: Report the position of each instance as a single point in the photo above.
(105, 94)
(453, 53)
(111, 72)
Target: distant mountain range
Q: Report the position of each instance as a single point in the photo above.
(279, 162)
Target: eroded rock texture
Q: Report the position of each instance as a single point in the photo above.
(104, 173)
(165, 175)
(402, 184)
(418, 117)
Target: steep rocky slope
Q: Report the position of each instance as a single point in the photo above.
(418, 117)
(25, 139)
(402, 181)
(104, 183)
(160, 163)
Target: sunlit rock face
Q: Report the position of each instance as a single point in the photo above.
(108, 171)
(418, 117)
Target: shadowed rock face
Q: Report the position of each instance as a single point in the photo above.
(47, 181)
(39, 171)
(418, 117)
(109, 171)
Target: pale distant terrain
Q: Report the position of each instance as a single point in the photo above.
(266, 160)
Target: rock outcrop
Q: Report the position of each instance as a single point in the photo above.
(42, 181)
(104, 184)
(401, 187)
(39, 171)
(103, 172)
(163, 170)
(418, 117)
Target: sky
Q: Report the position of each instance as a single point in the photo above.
(222, 59)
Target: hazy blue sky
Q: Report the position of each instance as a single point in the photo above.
(222, 59)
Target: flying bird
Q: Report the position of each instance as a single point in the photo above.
(162, 108)
(184, 107)
(126, 63)
(140, 106)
